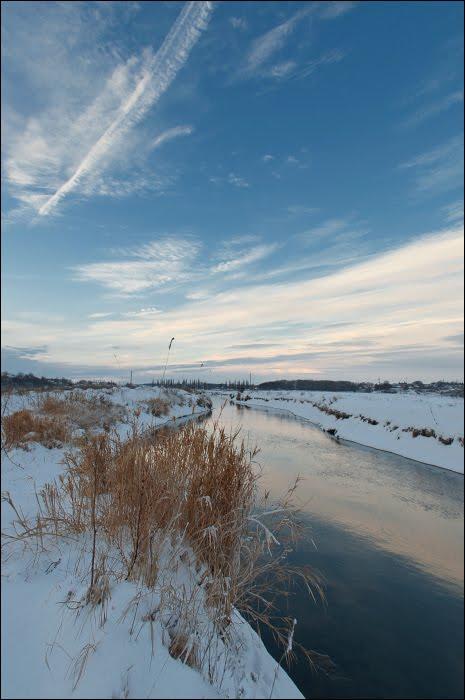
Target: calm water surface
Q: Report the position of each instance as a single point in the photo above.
(389, 543)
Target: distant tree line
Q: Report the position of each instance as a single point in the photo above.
(195, 384)
(440, 387)
(30, 381)
(310, 385)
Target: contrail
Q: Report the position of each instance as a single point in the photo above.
(157, 76)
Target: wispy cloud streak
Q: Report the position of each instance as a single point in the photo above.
(170, 134)
(157, 74)
(440, 169)
(152, 265)
(434, 109)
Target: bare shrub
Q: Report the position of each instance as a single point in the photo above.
(158, 406)
(446, 440)
(23, 427)
(204, 401)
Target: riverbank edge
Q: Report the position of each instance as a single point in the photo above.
(284, 685)
(342, 440)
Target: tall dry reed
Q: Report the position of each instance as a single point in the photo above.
(144, 503)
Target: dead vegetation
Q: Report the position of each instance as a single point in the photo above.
(158, 407)
(204, 401)
(81, 410)
(428, 433)
(21, 428)
(52, 420)
(146, 506)
(342, 415)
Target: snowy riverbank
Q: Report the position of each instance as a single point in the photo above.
(427, 427)
(55, 644)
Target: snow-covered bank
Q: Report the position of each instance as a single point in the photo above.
(174, 403)
(57, 644)
(427, 428)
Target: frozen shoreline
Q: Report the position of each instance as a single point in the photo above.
(389, 422)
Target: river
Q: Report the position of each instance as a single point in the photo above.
(386, 533)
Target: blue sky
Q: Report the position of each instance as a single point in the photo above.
(277, 185)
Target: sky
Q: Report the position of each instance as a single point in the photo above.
(276, 185)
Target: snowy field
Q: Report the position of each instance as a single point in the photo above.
(426, 427)
(125, 399)
(54, 645)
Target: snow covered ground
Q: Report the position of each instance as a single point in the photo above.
(127, 399)
(392, 422)
(54, 645)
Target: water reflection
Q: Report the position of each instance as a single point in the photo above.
(404, 507)
(389, 535)
(391, 630)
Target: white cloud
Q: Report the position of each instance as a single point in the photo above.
(171, 263)
(170, 134)
(281, 70)
(237, 181)
(267, 158)
(60, 145)
(245, 257)
(152, 265)
(331, 10)
(265, 46)
(328, 228)
(447, 68)
(263, 49)
(454, 212)
(329, 57)
(148, 312)
(155, 76)
(432, 110)
(238, 23)
(440, 169)
(198, 294)
(231, 179)
(410, 298)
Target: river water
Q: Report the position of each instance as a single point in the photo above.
(386, 533)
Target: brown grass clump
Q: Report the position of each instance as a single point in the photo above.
(176, 481)
(23, 427)
(446, 440)
(180, 648)
(52, 419)
(184, 497)
(81, 411)
(158, 407)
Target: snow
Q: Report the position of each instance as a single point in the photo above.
(395, 414)
(49, 636)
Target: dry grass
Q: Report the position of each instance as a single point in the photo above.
(181, 648)
(158, 407)
(177, 498)
(52, 420)
(23, 427)
(204, 401)
(80, 410)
